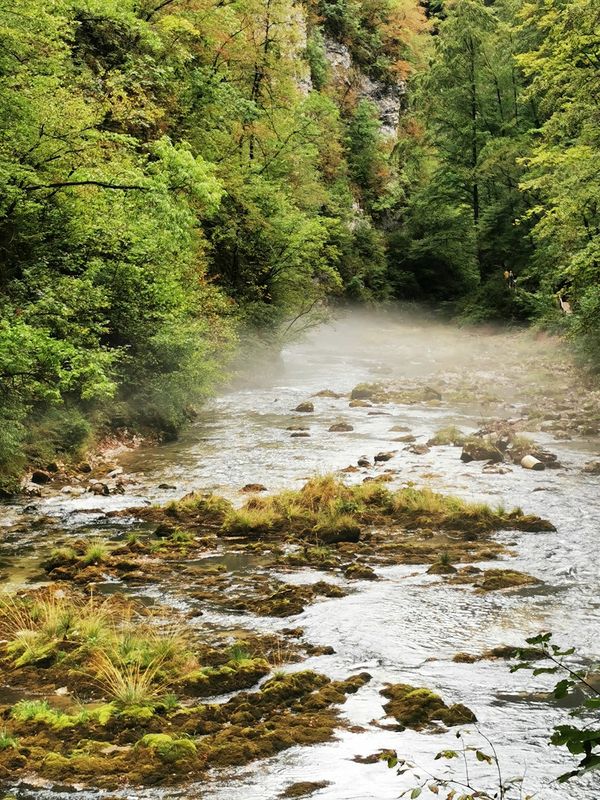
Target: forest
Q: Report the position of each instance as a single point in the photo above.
(299, 399)
(179, 178)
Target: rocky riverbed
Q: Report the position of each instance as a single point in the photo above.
(338, 532)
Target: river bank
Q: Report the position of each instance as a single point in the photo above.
(405, 626)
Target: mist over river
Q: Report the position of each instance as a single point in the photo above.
(407, 626)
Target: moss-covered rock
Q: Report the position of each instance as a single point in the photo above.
(168, 748)
(233, 676)
(360, 572)
(494, 579)
(303, 788)
(417, 707)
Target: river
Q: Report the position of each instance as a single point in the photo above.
(407, 626)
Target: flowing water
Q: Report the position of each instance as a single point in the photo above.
(407, 626)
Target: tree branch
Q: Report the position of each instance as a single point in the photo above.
(102, 184)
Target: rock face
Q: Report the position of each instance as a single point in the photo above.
(387, 98)
(305, 408)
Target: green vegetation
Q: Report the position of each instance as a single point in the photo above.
(168, 748)
(95, 553)
(144, 732)
(6, 741)
(167, 180)
(329, 510)
(417, 707)
(130, 663)
(582, 738)
(177, 176)
(450, 435)
(503, 161)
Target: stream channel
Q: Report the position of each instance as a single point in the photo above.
(406, 626)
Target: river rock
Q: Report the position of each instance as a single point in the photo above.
(305, 408)
(253, 487)
(592, 467)
(440, 568)
(381, 457)
(400, 429)
(419, 449)
(166, 486)
(328, 393)
(84, 467)
(562, 436)
(300, 435)
(341, 427)
(99, 488)
(40, 477)
(297, 428)
(481, 450)
(496, 469)
(359, 404)
(360, 572)
(363, 461)
(365, 391)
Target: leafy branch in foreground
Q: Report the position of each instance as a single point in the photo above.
(453, 784)
(580, 740)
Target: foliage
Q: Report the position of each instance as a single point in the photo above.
(500, 174)
(581, 739)
(459, 784)
(166, 182)
(173, 178)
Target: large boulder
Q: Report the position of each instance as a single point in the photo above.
(40, 477)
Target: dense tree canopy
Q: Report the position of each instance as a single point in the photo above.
(172, 173)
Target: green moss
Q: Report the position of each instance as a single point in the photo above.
(237, 674)
(168, 748)
(417, 707)
(39, 711)
(446, 436)
(494, 579)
